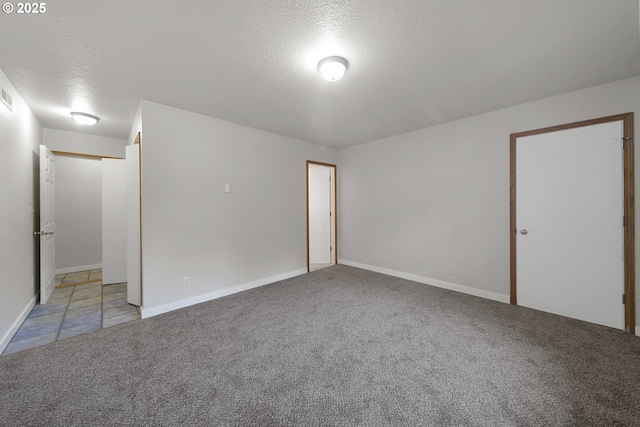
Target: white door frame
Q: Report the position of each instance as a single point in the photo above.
(629, 212)
(334, 211)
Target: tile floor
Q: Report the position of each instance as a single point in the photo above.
(80, 277)
(77, 306)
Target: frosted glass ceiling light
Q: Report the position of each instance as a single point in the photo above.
(333, 68)
(84, 119)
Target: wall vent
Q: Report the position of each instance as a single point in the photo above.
(6, 100)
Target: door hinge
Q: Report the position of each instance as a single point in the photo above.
(329, 213)
(623, 299)
(330, 248)
(624, 222)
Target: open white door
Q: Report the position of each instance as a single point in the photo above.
(134, 276)
(319, 214)
(322, 225)
(47, 224)
(332, 214)
(569, 223)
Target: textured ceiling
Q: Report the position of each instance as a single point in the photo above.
(413, 63)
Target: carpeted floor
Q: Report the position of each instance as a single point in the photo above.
(339, 346)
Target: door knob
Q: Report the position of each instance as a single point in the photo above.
(39, 233)
(523, 231)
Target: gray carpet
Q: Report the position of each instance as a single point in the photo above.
(339, 346)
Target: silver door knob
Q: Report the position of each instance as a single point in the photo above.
(38, 233)
(523, 231)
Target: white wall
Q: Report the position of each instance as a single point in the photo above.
(81, 143)
(443, 198)
(20, 137)
(192, 228)
(114, 221)
(136, 126)
(78, 213)
(319, 221)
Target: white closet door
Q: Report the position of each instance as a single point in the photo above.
(569, 217)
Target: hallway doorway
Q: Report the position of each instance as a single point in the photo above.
(322, 222)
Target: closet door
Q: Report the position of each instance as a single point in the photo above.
(569, 220)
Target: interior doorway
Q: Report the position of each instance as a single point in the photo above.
(79, 212)
(322, 221)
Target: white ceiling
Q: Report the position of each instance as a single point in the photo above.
(413, 63)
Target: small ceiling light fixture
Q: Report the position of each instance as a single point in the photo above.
(84, 118)
(333, 68)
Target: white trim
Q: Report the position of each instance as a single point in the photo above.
(79, 268)
(6, 339)
(154, 311)
(638, 330)
(432, 282)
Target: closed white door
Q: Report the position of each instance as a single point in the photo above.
(569, 213)
(47, 223)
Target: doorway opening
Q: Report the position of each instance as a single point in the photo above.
(322, 221)
(563, 179)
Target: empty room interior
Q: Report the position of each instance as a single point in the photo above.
(319, 212)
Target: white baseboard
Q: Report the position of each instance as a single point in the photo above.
(6, 339)
(638, 330)
(79, 268)
(154, 311)
(432, 282)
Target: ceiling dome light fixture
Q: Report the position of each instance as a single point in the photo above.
(84, 118)
(333, 68)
